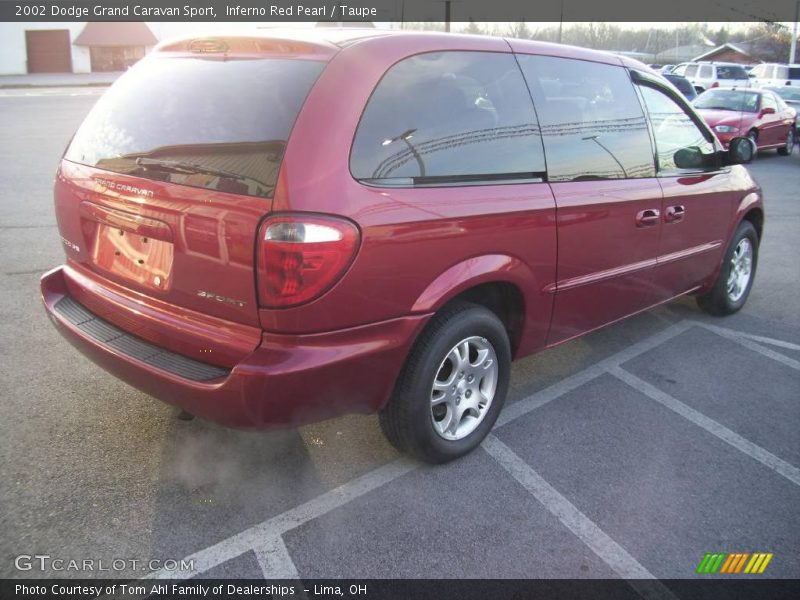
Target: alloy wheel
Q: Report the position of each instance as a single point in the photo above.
(741, 270)
(463, 388)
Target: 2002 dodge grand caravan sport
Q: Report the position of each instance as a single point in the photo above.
(276, 229)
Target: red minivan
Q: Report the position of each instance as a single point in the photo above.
(274, 229)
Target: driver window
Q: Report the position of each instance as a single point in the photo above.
(674, 130)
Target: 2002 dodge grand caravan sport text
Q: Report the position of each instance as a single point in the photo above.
(277, 229)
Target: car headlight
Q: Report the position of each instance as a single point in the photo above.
(725, 129)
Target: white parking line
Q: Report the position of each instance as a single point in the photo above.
(611, 553)
(539, 399)
(273, 557)
(258, 535)
(761, 339)
(754, 451)
(746, 340)
(275, 561)
(771, 341)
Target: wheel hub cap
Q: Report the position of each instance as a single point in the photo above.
(463, 388)
(741, 269)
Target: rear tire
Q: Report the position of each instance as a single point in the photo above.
(735, 279)
(789, 147)
(452, 387)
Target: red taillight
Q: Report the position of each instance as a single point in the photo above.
(715, 84)
(300, 257)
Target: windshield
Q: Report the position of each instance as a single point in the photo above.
(788, 93)
(223, 123)
(728, 100)
(731, 72)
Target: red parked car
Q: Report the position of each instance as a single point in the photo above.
(761, 115)
(382, 222)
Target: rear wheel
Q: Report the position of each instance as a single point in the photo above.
(789, 147)
(452, 387)
(735, 278)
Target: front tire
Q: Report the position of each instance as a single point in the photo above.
(452, 387)
(736, 275)
(753, 135)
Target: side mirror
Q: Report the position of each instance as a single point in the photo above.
(767, 110)
(741, 150)
(689, 158)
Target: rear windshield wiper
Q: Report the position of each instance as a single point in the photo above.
(175, 166)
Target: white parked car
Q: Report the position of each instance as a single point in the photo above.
(706, 75)
(774, 74)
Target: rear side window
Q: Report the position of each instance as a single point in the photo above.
(706, 72)
(199, 122)
(731, 72)
(592, 122)
(449, 117)
(691, 71)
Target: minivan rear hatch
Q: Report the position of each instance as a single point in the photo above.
(163, 186)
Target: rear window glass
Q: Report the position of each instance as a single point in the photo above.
(199, 122)
(449, 116)
(725, 72)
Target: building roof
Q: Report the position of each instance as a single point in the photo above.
(134, 33)
(730, 47)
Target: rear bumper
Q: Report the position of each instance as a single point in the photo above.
(287, 380)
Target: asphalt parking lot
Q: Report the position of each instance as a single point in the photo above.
(629, 453)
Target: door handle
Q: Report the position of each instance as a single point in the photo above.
(674, 213)
(647, 217)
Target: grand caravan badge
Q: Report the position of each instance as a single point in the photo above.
(124, 188)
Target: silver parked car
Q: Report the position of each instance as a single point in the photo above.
(774, 74)
(706, 75)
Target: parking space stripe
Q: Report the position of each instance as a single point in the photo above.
(770, 341)
(558, 389)
(255, 537)
(747, 342)
(271, 529)
(614, 555)
(754, 451)
(275, 561)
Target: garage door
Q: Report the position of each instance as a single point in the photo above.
(48, 51)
